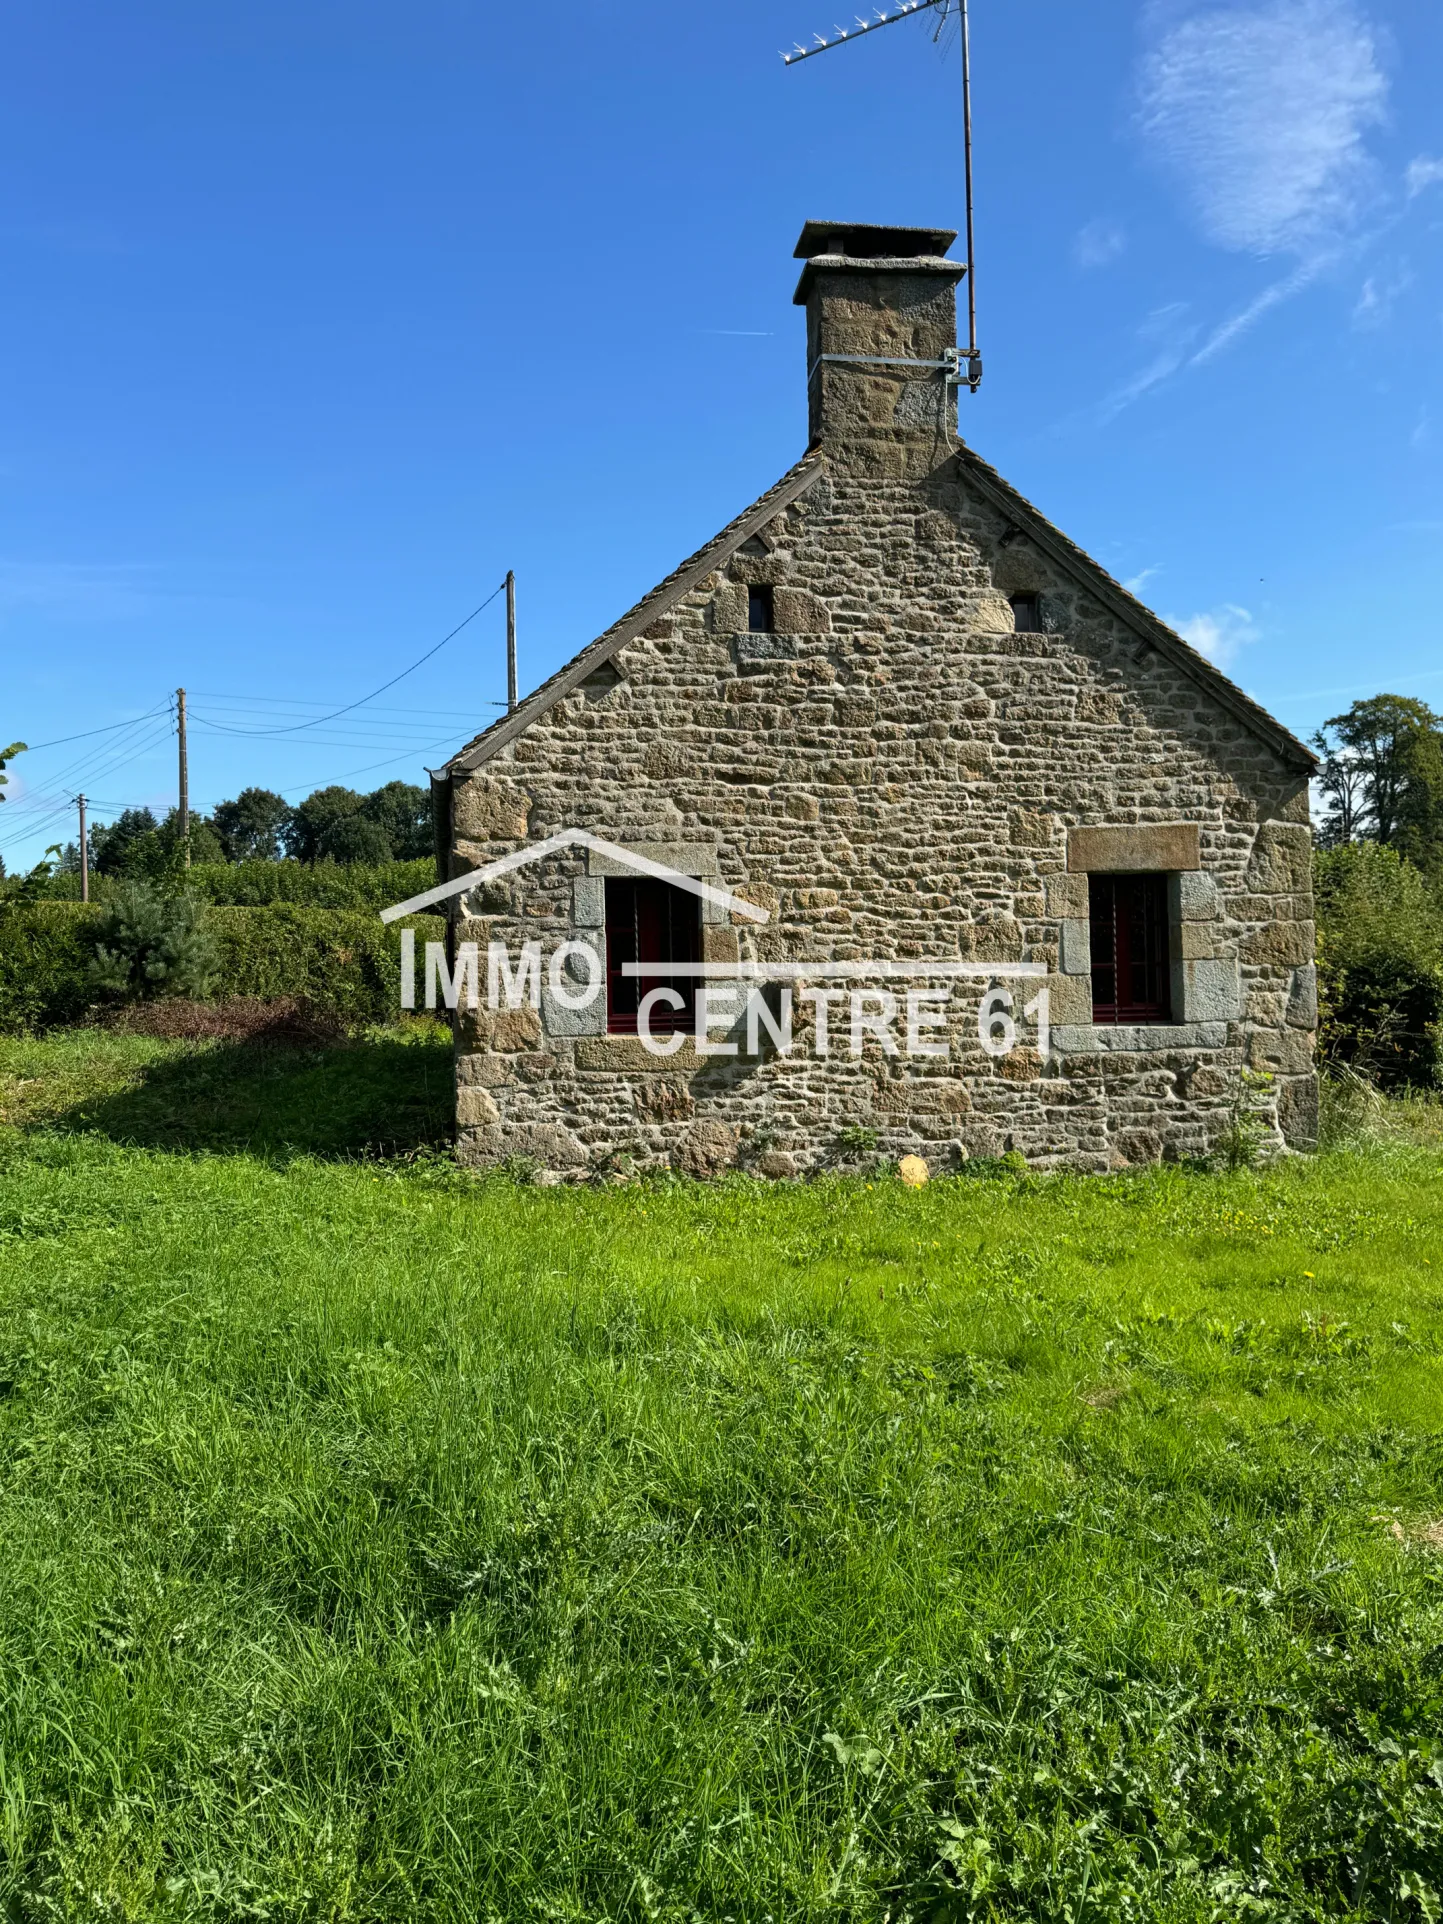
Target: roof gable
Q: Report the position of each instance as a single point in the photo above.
(660, 601)
(1001, 495)
(1075, 561)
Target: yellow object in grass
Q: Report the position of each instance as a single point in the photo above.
(913, 1171)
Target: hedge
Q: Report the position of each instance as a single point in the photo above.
(322, 885)
(340, 959)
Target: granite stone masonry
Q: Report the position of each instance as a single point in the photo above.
(946, 725)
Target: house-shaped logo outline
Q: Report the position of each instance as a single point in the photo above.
(575, 838)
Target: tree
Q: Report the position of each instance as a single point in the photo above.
(1380, 974)
(357, 839)
(137, 845)
(1384, 776)
(148, 944)
(205, 841)
(1342, 781)
(8, 755)
(307, 834)
(252, 827)
(111, 845)
(403, 812)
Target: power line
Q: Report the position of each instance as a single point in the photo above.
(296, 703)
(34, 748)
(337, 712)
(370, 768)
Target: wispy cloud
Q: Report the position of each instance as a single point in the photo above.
(1260, 113)
(1374, 306)
(1219, 633)
(1169, 333)
(1136, 583)
(1420, 173)
(1098, 243)
(1236, 325)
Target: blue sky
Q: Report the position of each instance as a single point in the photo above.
(315, 318)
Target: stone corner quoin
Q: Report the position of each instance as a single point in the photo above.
(947, 725)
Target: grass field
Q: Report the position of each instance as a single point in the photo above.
(379, 1543)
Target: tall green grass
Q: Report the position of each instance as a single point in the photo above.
(378, 1543)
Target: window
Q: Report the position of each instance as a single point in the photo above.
(759, 610)
(649, 921)
(1131, 966)
(1026, 613)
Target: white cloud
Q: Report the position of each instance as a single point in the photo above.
(1136, 583)
(1374, 305)
(1098, 243)
(1219, 634)
(1422, 172)
(1260, 112)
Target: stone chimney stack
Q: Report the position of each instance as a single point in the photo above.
(881, 344)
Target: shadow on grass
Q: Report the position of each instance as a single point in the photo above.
(380, 1097)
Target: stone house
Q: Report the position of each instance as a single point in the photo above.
(904, 824)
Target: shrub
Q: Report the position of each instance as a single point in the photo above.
(344, 962)
(326, 885)
(251, 884)
(148, 944)
(45, 954)
(1380, 969)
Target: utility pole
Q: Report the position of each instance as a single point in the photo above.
(84, 854)
(510, 640)
(184, 775)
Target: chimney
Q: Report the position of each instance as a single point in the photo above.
(881, 344)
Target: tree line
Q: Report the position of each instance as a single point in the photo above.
(390, 824)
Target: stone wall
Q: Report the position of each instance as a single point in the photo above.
(896, 773)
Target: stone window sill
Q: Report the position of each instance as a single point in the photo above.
(1125, 1038)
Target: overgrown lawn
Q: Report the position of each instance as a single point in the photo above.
(377, 1543)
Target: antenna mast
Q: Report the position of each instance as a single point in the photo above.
(973, 377)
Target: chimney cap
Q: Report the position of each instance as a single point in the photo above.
(860, 241)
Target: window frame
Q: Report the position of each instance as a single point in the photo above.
(648, 920)
(1131, 940)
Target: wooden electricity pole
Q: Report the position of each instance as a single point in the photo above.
(184, 776)
(510, 640)
(84, 854)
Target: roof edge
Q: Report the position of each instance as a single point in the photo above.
(658, 602)
(1081, 565)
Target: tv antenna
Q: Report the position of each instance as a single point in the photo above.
(944, 9)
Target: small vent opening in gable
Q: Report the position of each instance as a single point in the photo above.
(601, 681)
(1026, 613)
(761, 619)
